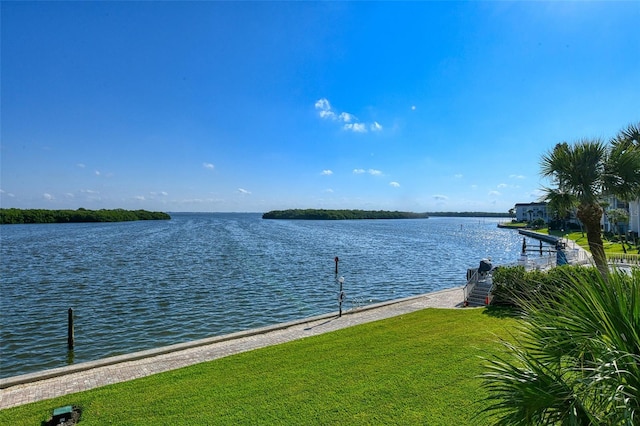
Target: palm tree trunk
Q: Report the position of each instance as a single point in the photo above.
(590, 215)
(622, 241)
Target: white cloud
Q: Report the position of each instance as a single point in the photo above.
(48, 197)
(494, 194)
(323, 104)
(325, 111)
(458, 176)
(329, 190)
(474, 186)
(208, 166)
(139, 197)
(104, 175)
(372, 172)
(413, 107)
(328, 114)
(243, 191)
(326, 173)
(502, 185)
(69, 195)
(440, 197)
(161, 193)
(394, 184)
(81, 165)
(356, 127)
(346, 117)
(88, 191)
(516, 177)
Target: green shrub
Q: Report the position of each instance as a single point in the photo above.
(510, 283)
(538, 223)
(515, 286)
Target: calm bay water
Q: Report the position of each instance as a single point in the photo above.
(140, 285)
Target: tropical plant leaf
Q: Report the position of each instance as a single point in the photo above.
(577, 358)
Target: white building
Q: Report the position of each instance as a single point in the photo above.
(528, 212)
(634, 216)
(612, 203)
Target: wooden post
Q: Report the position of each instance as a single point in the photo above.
(337, 260)
(70, 329)
(340, 296)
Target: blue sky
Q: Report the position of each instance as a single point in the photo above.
(243, 106)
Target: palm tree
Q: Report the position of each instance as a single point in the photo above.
(616, 218)
(629, 136)
(577, 358)
(588, 170)
(560, 204)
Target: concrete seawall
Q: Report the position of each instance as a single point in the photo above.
(33, 387)
(539, 236)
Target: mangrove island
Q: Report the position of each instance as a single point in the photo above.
(21, 216)
(322, 214)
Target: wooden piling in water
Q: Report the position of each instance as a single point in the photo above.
(70, 336)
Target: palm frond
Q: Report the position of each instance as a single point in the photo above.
(577, 360)
(621, 175)
(577, 168)
(628, 137)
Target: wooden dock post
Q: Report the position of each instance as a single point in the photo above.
(70, 329)
(340, 296)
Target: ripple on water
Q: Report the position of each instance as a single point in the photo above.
(139, 285)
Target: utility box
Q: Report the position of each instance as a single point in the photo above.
(62, 414)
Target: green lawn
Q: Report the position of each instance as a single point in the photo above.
(610, 247)
(419, 368)
(515, 225)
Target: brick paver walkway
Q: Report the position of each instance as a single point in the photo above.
(28, 388)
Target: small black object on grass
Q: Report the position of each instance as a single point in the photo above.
(64, 416)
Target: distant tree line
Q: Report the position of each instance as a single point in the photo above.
(322, 214)
(17, 216)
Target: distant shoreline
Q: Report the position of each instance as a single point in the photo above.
(33, 216)
(322, 214)
(354, 214)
